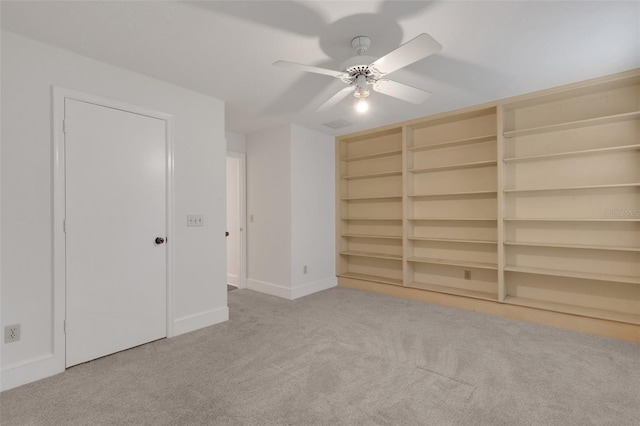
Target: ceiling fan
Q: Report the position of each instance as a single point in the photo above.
(359, 76)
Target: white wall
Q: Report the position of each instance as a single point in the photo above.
(312, 211)
(290, 193)
(236, 142)
(29, 70)
(269, 204)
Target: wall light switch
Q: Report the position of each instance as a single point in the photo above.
(195, 220)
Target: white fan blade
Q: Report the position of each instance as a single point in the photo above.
(308, 68)
(401, 91)
(410, 52)
(336, 98)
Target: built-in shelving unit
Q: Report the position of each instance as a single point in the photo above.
(532, 201)
(572, 161)
(370, 208)
(452, 178)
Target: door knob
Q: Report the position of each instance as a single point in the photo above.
(159, 240)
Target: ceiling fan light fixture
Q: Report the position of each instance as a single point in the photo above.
(362, 105)
(361, 93)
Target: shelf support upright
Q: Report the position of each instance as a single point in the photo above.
(501, 175)
(406, 141)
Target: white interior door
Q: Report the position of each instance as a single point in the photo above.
(115, 210)
(233, 216)
(236, 219)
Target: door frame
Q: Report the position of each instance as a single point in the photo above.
(59, 95)
(242, 195)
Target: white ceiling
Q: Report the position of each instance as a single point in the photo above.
(492, 49)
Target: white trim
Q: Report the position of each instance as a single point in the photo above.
(170, 234)
(314, 287)
(200, 320)
(269, 288)
(30, 370)
(242, 157)
(232, 279)
(291, 293)
(58, 350)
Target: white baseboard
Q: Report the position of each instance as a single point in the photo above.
(269, 288)
(200, 320)
(291, 293)
(30, 370)
(314, 287)
(47, 365)
(232, 279)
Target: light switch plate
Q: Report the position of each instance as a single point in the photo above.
(195, 220)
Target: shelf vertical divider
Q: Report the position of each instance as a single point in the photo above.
(407, 139)
(501, 176)
(341, 263)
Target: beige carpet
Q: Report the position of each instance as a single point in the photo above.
(345, 357)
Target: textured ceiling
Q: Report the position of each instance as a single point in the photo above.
(225, 49)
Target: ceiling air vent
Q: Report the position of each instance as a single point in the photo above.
(338, 124)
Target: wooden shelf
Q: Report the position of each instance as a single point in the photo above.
(376, 237)
(573, 124)
(373, 175)
(453, 194)
(572, 246)
(575, 310)
(572, 188)
(375, 198)
(399, 219)
(446, 219)
(459, 142)
(373, 278)
(463, 263)
(455, 167)
(595, 151)
(574, 274)
(453, 240)
(371, 156)
(454, 290)
(567, 219)
(371, 255)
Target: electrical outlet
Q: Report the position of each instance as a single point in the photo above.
(467, 274)
(12, 333)
(304, 269)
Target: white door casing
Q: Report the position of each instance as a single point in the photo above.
(116, 206)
